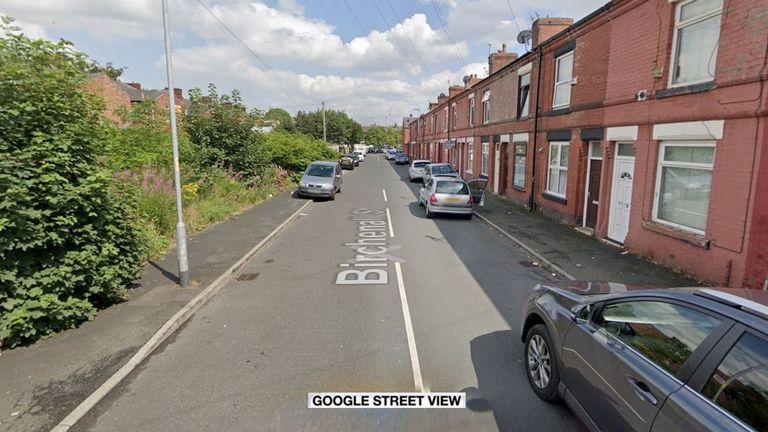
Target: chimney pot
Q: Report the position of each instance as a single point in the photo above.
(135, 85)
(545, 28)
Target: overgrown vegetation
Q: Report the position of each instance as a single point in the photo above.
(84, 203)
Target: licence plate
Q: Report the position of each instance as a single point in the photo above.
(453, 200)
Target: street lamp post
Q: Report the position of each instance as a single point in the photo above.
(181, 232)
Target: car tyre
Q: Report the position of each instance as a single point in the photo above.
(468, 216)
(428, 213)
(541, 364)
(333, 196)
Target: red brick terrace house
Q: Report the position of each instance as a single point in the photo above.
(407, 122)
(643, 124)
(119, 95)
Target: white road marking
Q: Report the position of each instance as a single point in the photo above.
(417, 380)
(384, 191)
(389, 222)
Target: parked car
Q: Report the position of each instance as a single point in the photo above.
(356, 157)
(401, 159)
(439, 169)
(360, 155)
(448, 195)
(348, 162)
(321, 179)
(628, 359)
(391, 154)
(416, 170)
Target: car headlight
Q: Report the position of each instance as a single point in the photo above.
(302, 184)
(327, 186)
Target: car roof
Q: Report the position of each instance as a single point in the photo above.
(423, 160)
(436, 164)
(323, 163)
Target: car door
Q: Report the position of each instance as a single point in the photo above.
(424, 192)
(622, 363)
(477, 189)
(427, 173)
(729, 391)
(338, 177)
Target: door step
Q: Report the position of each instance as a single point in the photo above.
(586, 231)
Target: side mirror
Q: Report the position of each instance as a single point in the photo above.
(580, 313)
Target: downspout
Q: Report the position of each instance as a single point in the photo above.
(531, 199)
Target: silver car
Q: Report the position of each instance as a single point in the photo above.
(321, 180)
(448, 195)
(439, 169)
(416, 170)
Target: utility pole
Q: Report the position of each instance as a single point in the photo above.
(325, 136)
(181, 232)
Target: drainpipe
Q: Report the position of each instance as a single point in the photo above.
(531, 199)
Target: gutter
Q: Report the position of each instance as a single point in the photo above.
(532, 198)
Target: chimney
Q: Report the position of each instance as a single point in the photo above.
(135, 85)
(471, 81)
(441, 98)
(454, 90)
(499, 59)
(545, 28)
(177, 93)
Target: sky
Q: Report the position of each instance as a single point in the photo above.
(378, 60)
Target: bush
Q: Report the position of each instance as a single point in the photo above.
(294, 152)
(67, 241)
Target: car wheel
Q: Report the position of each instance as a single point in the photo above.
(468, 216)
(541, 364)
(333, 196)
(428, 213)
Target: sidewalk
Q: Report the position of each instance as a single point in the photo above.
(583, 257)
(41, 384)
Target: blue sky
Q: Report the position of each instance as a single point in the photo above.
(317, 49)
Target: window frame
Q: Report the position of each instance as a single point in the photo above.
(486, 104)
(470, 157)
(485, 152)
(560, 145)
(660, 164)
(522, 113)
(434, 123)
(677, 26)
(454, 115)
(445, 126)
(515, 155)
(562, 83)
(471, 110)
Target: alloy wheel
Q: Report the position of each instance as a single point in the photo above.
(539, 361)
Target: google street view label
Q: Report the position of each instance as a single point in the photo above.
(386, 400)
(371, 263)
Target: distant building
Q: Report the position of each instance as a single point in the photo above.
(120, 96)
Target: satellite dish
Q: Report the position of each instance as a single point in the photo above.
(465, 79)
(524, 37)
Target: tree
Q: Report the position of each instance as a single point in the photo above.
(376, 136)
(67, 243)
(108, 69)
(284, 120)
(222, 132)
(340, 128)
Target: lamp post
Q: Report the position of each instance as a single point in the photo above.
(181, 232)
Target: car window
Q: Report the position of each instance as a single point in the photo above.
(428, 169)
(665, 333)
(420, 164)
(442, 169)
(740, 383)
(320, 171)
(452, 187)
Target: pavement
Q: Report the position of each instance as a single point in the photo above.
(441, 313)
(582, 256)
(42, 383)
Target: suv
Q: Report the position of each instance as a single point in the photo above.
(629, 358)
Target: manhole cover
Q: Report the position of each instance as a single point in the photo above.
(247, 276)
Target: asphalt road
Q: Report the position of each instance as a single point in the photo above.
(289, 326)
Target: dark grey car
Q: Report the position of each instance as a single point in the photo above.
(631, 359)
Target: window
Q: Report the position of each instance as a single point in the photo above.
(740, 383)
(683, 184)
(695, 40)
(434, 123)
(486, 106)
(665, 333)
(471, 157)
(557, 179)
(484, 161)
(518, 173)
(563, 80)
(524, 88)
(445, 124)
(454, 117)
(471, 110)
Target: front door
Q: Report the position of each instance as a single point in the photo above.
(496, 162)
(593, 191)
(621, 201)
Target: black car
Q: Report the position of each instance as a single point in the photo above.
(629, 359)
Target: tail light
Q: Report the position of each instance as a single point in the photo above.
(433, 199)
(470, 201)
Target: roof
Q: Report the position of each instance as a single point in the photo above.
(133, 93)
(323, 163)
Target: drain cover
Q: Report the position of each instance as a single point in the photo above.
(247, 276)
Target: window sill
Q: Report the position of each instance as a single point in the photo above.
(555, 198)
(688, 89)
(559, 111)
(517, 188)
(694, 239)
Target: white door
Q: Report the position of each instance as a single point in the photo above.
(621, 195)
(496, 160)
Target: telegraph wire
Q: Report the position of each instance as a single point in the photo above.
(514, 18)
(360, 24)
(399, 45)
(258, 57)
(448, 33)
(410, 41)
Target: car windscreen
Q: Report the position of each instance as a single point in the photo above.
(320, 171)
(452, 187)
(420, 164)
(442, 169)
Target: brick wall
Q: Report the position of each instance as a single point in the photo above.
(115, 99)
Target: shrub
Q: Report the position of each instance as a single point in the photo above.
(67, 241)
(294, 152)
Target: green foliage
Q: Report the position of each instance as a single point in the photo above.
(222, 133)
(294, 152)
(108, 69)
(67, 241)
(285, 121)
(379, 135)
(340, 129)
